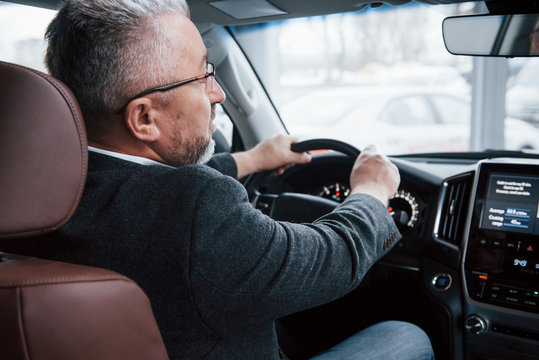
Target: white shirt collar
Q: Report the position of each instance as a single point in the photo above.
(131, 158)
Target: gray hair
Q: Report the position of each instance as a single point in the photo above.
(109, 50)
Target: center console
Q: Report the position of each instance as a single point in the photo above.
(501, 263)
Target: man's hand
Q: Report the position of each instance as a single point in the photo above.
(375, 175)
(273, 153)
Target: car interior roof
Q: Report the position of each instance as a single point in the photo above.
(237, 12)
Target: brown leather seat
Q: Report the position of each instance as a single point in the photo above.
(54, 310)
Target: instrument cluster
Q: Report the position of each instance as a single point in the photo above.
(402, 206)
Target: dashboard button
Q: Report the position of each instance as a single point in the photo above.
(442, 282)
(511, 246)
(496, 292)
(514, 292)
(475, 324)
(528, 248)
(513, 299)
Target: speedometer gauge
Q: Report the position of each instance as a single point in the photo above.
(336, 191)
(403, 206)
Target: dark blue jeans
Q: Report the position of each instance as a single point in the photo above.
(389, 340)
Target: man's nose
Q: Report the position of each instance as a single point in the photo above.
(217, 95)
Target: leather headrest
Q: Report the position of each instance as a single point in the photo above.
(43, 152)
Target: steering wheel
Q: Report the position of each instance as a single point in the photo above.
(296, 207)
(326, 144)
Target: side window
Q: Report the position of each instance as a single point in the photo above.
(224, 133)
(22, 29)
(406, 111)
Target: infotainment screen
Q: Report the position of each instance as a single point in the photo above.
(512, 203)
(502, 251)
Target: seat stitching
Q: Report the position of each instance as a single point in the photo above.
(59, 280)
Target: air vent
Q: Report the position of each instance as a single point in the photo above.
(454, 209)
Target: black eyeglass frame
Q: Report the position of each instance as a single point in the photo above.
(210, 72)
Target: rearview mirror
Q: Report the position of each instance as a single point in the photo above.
(492, 35)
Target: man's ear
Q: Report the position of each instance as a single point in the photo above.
(140, 119)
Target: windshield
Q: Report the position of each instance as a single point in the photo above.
(380, 76)
(384, 76)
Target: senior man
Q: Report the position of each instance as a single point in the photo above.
(218, 272)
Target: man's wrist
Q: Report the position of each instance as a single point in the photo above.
(372, 191)
(246, 162)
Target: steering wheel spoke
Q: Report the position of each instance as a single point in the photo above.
(294, 207)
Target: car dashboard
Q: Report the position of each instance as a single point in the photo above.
(470, 242)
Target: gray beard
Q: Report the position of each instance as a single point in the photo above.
(206, 155)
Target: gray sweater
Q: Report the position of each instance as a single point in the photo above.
(217, 271)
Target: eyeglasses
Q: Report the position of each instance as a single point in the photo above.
(209, 75)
